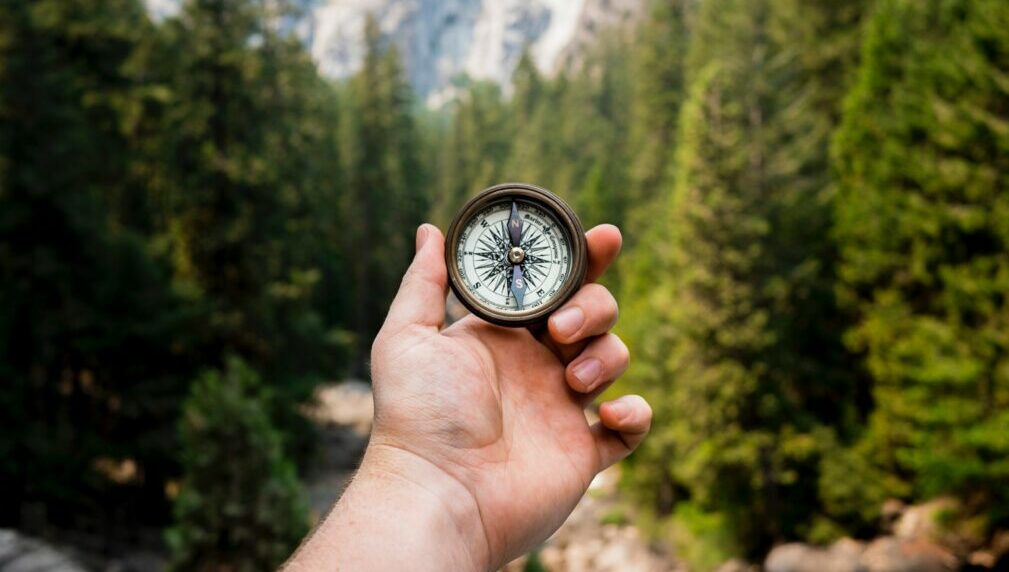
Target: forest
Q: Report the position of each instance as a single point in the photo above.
(197, 229)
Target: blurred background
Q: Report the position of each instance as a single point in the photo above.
(206, 206)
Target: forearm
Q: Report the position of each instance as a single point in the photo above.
(400, 512)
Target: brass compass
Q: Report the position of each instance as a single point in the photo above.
(515, 253)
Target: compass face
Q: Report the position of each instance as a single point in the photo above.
(486, 258)
(515, 253)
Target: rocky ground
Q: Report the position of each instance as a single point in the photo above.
(936, 536)
(598, 536)
(343, 414)
(21, 554)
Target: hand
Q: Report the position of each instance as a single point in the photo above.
(480, 447)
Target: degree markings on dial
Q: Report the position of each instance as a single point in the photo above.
(483, 255)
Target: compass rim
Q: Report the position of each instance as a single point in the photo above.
(553, 204)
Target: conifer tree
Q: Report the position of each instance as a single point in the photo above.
(737, 339)
(473, 153)
(658, 89)
(921, 222)
(537, 154)
(238, 141)
(89, 323)
(595, 138)
(385, 199)
(240, 506)
(658, 61)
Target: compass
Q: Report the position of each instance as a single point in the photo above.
(515, 253)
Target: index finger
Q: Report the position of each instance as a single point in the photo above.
(604, 243)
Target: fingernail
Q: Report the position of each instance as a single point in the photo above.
(568, 321)
(619, 409)
(588, 372)
(422, 234)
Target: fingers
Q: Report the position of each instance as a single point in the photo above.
(421, 296)
(602, 361)
(590, 312)
(604, 243)
(623, 424)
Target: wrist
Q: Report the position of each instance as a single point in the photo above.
(442, 503)
(401, 512)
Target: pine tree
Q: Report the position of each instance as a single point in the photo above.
(658, 90)
(739, 344)
(242, 153)
(90, 326)
(241, 506)
(385, 200)
(595, 139)
(535, 155)
(473, 153)
(922, 228)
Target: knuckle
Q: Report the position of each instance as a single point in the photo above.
(643, 406)
(622, 352)
(596, 291)
(601, 304)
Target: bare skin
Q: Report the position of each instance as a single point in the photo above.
(480, 448)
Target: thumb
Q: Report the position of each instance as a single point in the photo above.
(421, 296)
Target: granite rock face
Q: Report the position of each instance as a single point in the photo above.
(597, 16)
(442, 41)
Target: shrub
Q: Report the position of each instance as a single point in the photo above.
(241, 505)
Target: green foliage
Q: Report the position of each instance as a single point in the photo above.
(241, 506)
(234, 235)
(615, 516)
(385, 199)
(739, 347)
(818, 329)
(171, 193)
(533, 564)
(473, 150)
(853, 489)
(921, 222)
(91, 329)
(702, 539)
(658, 90)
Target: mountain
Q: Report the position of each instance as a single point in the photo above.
(442, 41)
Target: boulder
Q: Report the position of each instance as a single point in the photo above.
(736, 565)
(842, 556)
(891, 554)
(944, 521)
(890, 513)
(22, 554)
(924, 521)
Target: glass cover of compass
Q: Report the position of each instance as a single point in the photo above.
(515, 253)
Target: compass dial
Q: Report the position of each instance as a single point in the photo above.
(486, 267)
(515, 253)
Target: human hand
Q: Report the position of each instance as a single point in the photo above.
(480, 437)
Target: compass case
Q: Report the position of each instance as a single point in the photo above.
(572, 229)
